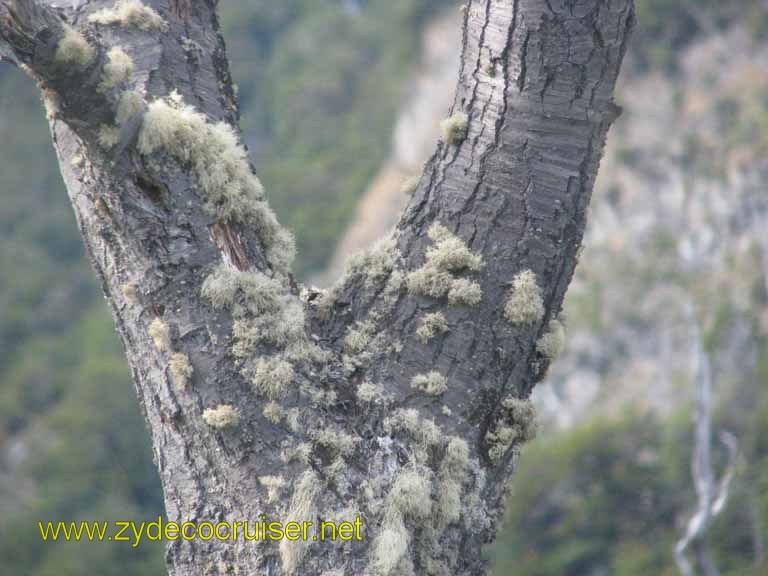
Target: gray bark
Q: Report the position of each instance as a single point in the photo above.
(536, 84)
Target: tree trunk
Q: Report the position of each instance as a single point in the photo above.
(399, 396)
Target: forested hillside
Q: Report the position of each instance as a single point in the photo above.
(679, 210)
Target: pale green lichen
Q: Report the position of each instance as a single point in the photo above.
(447, 256)
(369, 393)
(222, 417)
(453, 473)
(432, 383)
(525, 303)
(301, 453)
(130, 13)
(303, 508)
(130, 292)
(359, 336)
(181, 369)
(410, 185)
(376, 263)
(423, 430)
(410, 498)
(364, 342)
(465, 292)
(130, 104)
(222, 168)
(77, 160)
(429, 281)
(432, 324)
(253, 292)
(160, 333)
(108, 136)
(517, 426)
(552, 342)
(273, 377)
(450, 253)
(117, 69)
(273, 412)
(338, 442)
(454, 128)
(274, 486)
(73, 49)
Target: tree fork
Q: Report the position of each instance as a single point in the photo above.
(400, 395)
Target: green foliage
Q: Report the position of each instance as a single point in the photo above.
(612, 496)
(320, 83)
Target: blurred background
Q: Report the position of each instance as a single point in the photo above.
(340, 103)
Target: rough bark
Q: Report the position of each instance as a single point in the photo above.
(355, 435)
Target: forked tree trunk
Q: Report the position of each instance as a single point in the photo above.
(398, 396)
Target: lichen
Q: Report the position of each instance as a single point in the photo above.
(130, 104)
(130, 292)
(432, 324)
(273, 377)
(454, 128)
(525, 303)
(130, 13)
(222, 168)
(222, 417)
(108, 136)
(432, 383)
(303, 508)
(337, 442)
(410, 185)
(359, 336)
(409, 498)
(448, 256)
(73, 49)
(160, 333)
(273, 412)
(369, 393)
(274, 486)
(181, 369)
(453, 472)
(517, 425)
(450, 253)
(552, 342)
(376, 263)
(117, 69)
(227, 287)
(429, 281)
(465, 292)
(298, 453)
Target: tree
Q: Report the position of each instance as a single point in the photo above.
(400, 395)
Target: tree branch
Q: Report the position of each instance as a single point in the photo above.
(400, 395)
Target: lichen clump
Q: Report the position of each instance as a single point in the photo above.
(454, 128)
(303, 508)
(221, 417)
(410, 498)
(73, 49)
(552, 342)
(516, 426)
(108, 136)
(410, 185)
(118, 69)
(130, 292)
(181, 369)
(432, 324)
(273, 377)
(130, 104)
(160, 333)
(223, 172)
(130, 13)
(432, 383)
(448, 256)
(525, 303)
